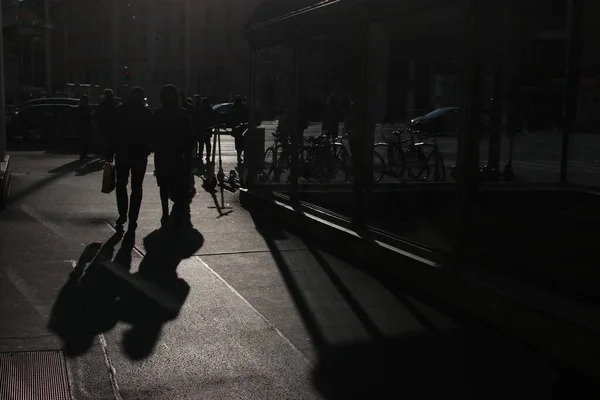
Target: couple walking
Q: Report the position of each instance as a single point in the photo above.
(134, 131)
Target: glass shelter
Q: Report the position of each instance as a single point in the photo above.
(469, 128)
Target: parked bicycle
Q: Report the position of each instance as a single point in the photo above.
(416, 157)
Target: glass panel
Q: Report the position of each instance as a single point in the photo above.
(522, 97)
(584, 144)
(274, 94)
(537, 235)
(414, 85)
(329, 120)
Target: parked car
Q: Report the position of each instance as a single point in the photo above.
(44, 121)
(49, 100)
(444, 121)
(222, 112)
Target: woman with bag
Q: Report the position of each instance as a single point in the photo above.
(173, 143)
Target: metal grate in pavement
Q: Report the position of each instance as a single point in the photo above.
(33, 375)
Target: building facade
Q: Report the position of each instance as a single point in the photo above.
(154, 40)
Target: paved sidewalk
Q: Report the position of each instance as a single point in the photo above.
(239, 308)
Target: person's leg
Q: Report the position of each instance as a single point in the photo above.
(239, 147)
(208, 147)
(180, 195)
(138, 171)
(122, 167)
(164, 202)
(200, 148)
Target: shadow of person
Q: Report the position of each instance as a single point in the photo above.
(93, 166)
(155, 293)
(71, 166)
(85, 304)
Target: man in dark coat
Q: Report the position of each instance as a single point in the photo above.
(173, 138)
(204, 122)
(238, 119)
(130, 146)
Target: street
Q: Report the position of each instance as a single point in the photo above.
(236, 308)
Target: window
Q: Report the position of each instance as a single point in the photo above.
(71, 77)
(97, 76)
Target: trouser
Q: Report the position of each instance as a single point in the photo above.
(239, 145)
(138, 171)
(204, 143)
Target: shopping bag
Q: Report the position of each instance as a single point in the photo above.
(108, 178)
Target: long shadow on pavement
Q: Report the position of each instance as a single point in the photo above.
(467, 359)
(101, 291)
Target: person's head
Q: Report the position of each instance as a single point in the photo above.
(237, 101)
(137, 95)
(169, 96)
(197, 100)
(245, 100)
(205, 102)
(84, 100)
(189, 102)
(108, 94)
(352, 106)
(182, 97)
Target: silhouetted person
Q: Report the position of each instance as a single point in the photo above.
(107, 115)
(173, 145)
(130, 145)
(204, 122)
(84, 125)
(332, 117)
(238, 116)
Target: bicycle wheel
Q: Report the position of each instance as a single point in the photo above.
(439, 171)
(396, 161)
(378, 167)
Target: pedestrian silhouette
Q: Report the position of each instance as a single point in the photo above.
(173, 138)
(130, 146)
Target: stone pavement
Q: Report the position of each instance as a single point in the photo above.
(240, 308)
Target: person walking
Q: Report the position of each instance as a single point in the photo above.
(130, 146)
(107, 115)
(84, 125)
(204, 122)
(238, 117)
(173, 137)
